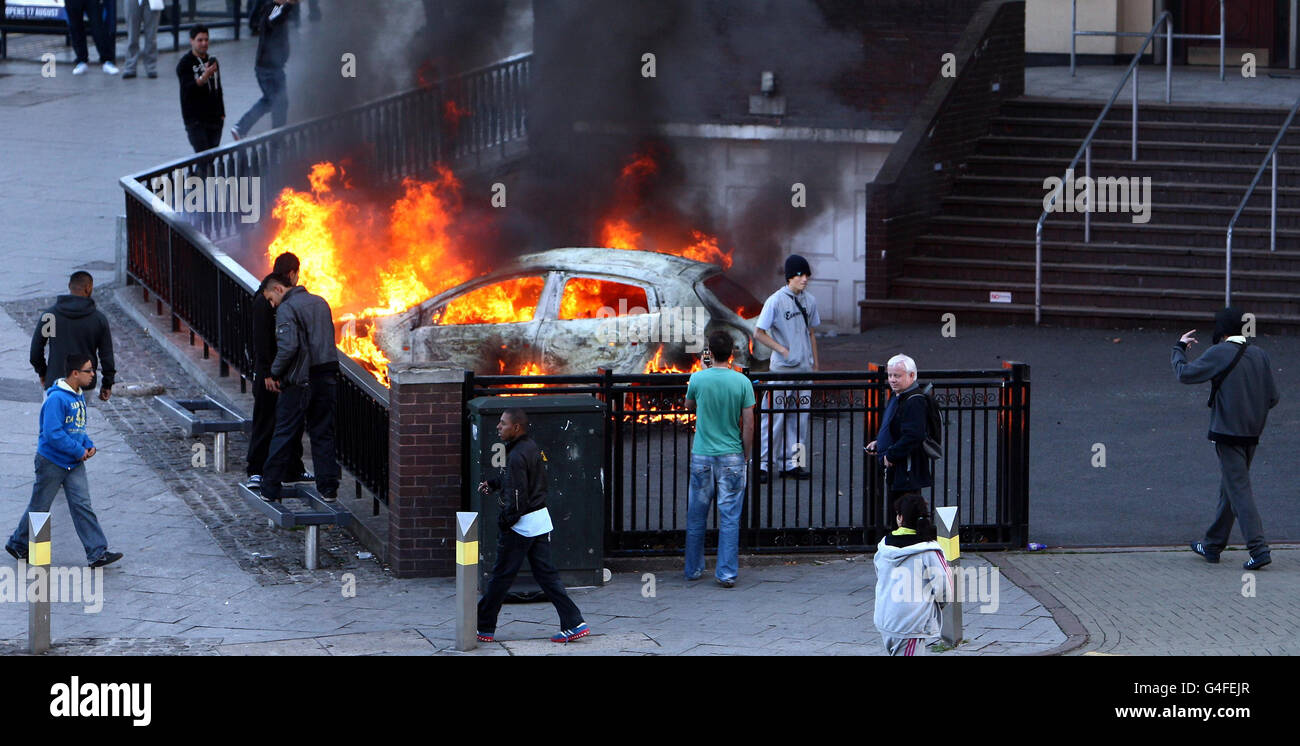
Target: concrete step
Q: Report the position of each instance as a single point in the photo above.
(1182, 172)
(1115, 129)
(1169, 191)
(1113, 149)
(1029, 106)
(1212, 217)
(1103, 232)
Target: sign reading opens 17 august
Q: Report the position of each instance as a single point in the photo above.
(35, 10)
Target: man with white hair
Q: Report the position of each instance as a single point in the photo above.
(900, 443)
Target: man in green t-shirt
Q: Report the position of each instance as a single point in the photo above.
(723, 403)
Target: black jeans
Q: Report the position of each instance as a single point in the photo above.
(511, 551)
(103, 27)
(312, 405)
(1236, 501)
(259, 441)
(203, 135)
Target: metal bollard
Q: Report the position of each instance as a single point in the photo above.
(466, 581)
(950, 540)
(38, 557)
(313, 547)
(219, 452)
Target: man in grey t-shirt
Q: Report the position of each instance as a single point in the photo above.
(789, 315)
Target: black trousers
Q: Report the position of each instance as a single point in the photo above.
(203, 135)
(103, 27)
(512, 549)
(1236, 501)
(313, 406)
(259, 442)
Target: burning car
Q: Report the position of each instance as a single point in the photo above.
(573, 310)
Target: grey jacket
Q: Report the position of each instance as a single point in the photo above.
(1241, 408)
(910, 583)
(304, 336)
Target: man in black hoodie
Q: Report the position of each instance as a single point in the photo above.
(525, 526)
(272, 54)
(266, 392)
(1241, 393)
(74, 325)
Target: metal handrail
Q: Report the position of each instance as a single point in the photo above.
(1086, 148)
(1272, 229)
(1075, 34)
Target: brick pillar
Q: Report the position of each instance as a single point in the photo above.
(424, 487)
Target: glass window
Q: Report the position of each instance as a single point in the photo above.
(508, 302)
(584, 297)
(734, 296)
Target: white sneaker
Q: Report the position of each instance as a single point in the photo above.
(110, 68)
(80, 69)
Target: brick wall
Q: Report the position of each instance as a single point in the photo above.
(424, 489)
(942, 133)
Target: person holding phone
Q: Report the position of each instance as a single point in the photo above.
(203, 107)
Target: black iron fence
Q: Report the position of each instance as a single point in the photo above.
(841, 507)
(174, 255)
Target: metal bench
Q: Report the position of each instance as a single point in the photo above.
(184, 412)
(319, 513)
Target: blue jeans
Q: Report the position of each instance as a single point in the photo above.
(275, 99)
(722, 477)
(49, 477)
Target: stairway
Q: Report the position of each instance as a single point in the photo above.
(1165, 274)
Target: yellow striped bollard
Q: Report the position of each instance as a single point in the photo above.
(950, 539)
(38, 599)
(466, 581)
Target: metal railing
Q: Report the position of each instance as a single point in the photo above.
(1085, 150)
(984, 469)
(1075, 34)
(175, 255)
(1271, 155)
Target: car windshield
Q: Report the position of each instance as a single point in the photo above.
(733, 296)
(510, 301)
(590, 298)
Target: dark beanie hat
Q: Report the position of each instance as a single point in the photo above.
(796, 265)
(1227, 323)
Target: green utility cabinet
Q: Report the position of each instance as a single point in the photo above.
(570, 432)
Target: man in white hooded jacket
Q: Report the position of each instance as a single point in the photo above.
(912, 577)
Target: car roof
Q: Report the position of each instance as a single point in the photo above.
(646, 265)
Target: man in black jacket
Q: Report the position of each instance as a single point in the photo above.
(74, 325)
(305, 374)
(264, 397)
(900, 443)
(525, 526)
(272, 54)
(203, 106)
(1241, 393)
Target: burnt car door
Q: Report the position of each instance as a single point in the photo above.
(487, 327)
(600, 321)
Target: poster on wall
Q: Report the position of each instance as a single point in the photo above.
(51, 11)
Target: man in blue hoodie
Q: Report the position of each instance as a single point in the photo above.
(61, 453)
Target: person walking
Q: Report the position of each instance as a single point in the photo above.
(142, 20)
(62, 450)
(1242, 392)
(305, 375)
(723, 402)
(74, 324)
(910, 568)
(203, 105)
(264, 398)
(525, 529)
(103, 27)
(786, 324)
(272, 54)
(900, 444)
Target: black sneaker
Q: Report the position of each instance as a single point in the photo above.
(306, 476)
(13, 552)
(762, 476)
(1254, 563)
(797, 473)
(1211, 557)
(329, 497)
(254, 482)
(108, 559)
